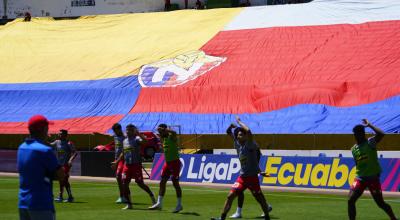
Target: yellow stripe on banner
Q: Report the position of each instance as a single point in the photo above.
(104, 46)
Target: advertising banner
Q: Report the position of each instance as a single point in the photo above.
(309, 172)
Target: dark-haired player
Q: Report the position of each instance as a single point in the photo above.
(240, 195)
(133, 164)
(171, 167)
(367, 169)
(248, 172)
(65, 152)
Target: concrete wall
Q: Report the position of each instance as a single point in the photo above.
(2, 9)
(73, 8)
(8, 162)
(64, 8)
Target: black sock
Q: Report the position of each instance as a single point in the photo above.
(223, 216)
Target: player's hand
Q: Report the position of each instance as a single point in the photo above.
(237, 118)
(264, 174)
(365, 122)
(114, 165)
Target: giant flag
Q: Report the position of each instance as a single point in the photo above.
(318, 67)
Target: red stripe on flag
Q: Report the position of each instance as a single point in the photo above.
(273, 68)
(74, 126)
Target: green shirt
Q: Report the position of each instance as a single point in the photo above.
(366, 158)
(170, 146)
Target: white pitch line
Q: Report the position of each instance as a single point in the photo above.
(226, 191)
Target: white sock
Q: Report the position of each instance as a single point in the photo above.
(159, 200)
(239, 210)
(179, 203)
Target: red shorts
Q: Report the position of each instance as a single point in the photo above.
(120, 168)
(373, 184)
(67, 168)
(171, 168)
(250, 182)
(132, 171)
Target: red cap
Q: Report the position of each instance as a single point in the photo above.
(38, 122)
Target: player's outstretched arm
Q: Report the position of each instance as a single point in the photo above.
(142, 137)
(229, 130)
(172, 133)
(379, 134)
(245, 127)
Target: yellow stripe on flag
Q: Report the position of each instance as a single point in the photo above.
(104, 46)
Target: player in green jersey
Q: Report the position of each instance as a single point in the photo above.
(171, 167)
(367, 169)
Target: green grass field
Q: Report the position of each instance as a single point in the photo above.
(96, 201)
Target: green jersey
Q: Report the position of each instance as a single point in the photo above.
(170, 147)
(366, 158)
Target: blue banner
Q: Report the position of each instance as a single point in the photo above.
(314, 172)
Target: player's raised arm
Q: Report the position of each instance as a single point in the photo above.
(245, 127)
(379, 134)
(143, 138)
(172, 133)
(229, 130)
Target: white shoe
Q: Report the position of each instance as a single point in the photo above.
(156, 206)
(177, 209)
(127, 207)
(236, 215)
(269, 210)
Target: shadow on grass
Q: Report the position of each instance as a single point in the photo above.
(270, 216)
(189, 213)
(77, 202)
(139, 203)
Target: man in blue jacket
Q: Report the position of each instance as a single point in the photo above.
(37, 167)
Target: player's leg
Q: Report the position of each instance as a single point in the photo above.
(62, 185)
(175, 167)
(161, 193)
(237, 187)
(146, 188)
(178, 190)
(356, 190)
(228, 204)
(60, 194)
(138, 176)
(126, 179)
(165, 174)
(254, 186)
(118, 176)
(68, 185)
(69, 191)
(120, 188)
(238, 213)
(186, 4)
(376, 192)
(261, 200)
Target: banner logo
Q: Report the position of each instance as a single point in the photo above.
(178, 70)
(309, 172)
